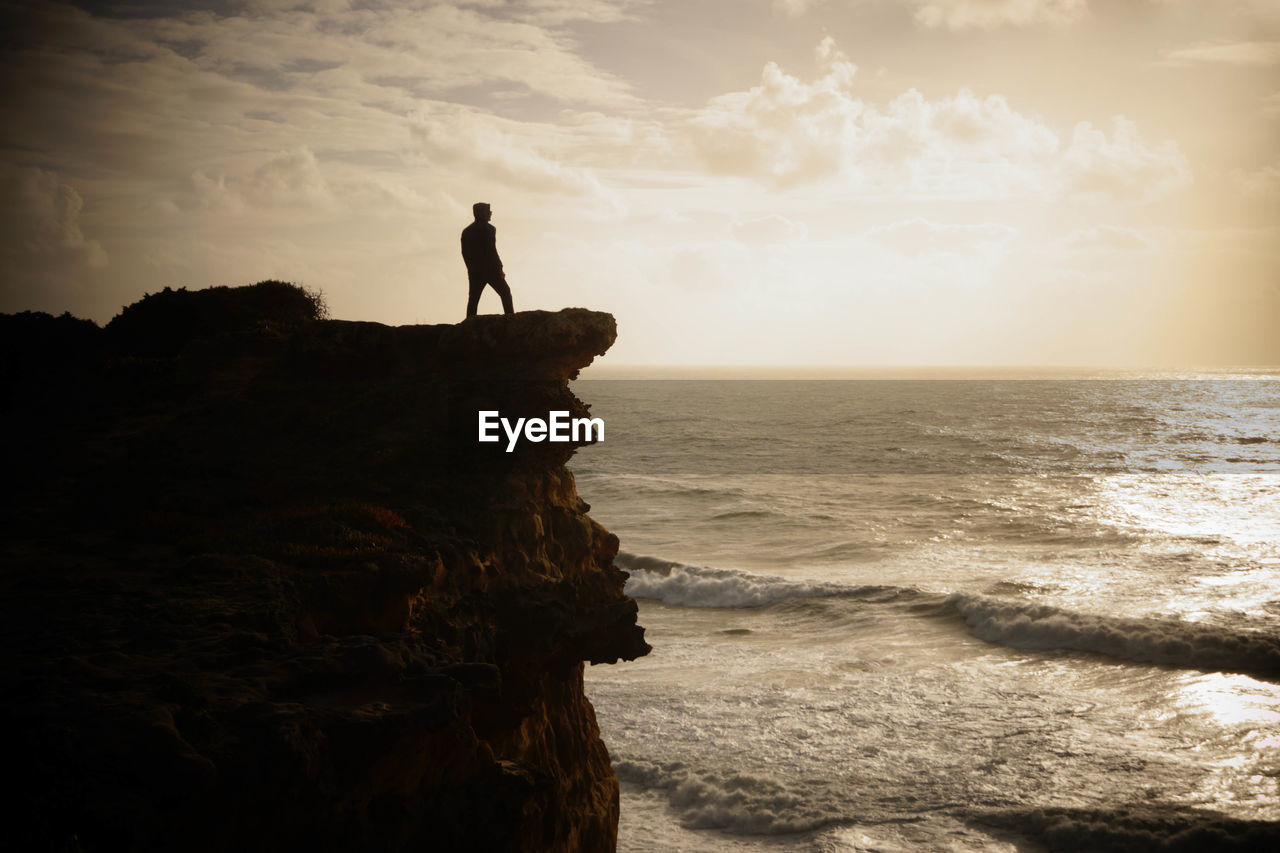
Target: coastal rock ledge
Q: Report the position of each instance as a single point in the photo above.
(264, 590)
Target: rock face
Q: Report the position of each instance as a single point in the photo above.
(267, 591)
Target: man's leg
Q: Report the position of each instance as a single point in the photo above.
(500, 284)
(474, 287)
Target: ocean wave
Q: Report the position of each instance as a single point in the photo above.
(1024, 625)
(639, 562)
(730, 801)
(695, 586)
(656, 483)
(1137, 828)
(734, 515)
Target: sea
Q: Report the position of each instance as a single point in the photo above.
(986, 614)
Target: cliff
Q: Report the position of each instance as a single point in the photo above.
(263, 589)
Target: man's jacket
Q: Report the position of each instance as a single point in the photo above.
(480, 249)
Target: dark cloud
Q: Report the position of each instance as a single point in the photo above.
(137, 9)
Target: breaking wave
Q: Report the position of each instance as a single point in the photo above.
(1025, 625)
(730, 800)
(1013, 622)
(1137, 828)
(695, 586)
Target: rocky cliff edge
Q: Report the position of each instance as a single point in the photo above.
(263, 589)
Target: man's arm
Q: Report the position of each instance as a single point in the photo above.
(493, 248)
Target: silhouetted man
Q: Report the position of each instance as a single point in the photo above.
(480, 252)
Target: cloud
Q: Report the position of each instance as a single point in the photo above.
(762, 230)
(826, 51)
(1122, 166)
(474, 144)
(787, 132)
(1245, 53)
(1105, 237)
(383, 55)
(331, 88)
(785, 129)
(556, 12)
(214, 193)
(961, 146)
(41, 221)
(523, 49)
(918, 236)
(1260, 183)
(49, 262)
(288, 179)
(292, 177)
(794, 8)
(970, 14)
(985, 14)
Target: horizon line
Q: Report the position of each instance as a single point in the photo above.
(919, 371)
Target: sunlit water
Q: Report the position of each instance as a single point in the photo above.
(903, 614)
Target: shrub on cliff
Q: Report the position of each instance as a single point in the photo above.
(37, 335)
(164, 323)
(36, 348)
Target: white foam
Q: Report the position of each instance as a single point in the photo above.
(695, 586)
(730, 801)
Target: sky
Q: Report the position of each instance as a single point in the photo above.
(740, 182)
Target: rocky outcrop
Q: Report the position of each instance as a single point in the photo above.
(265, 590)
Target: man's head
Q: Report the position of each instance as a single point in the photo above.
(481, 211)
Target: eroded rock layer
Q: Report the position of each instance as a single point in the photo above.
(265, 590)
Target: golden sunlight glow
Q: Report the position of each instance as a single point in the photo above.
(892, 182)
